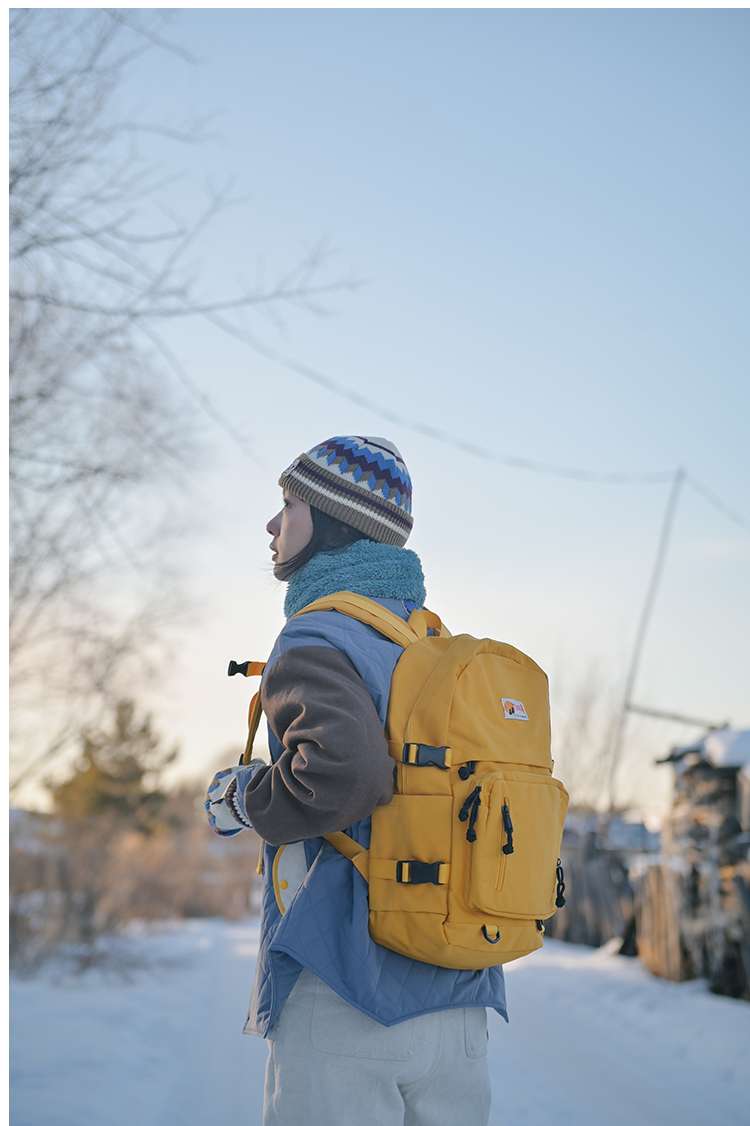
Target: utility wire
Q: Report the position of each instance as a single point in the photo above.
(434, 432)
(712, 498)
(482, 452)
(446, 438)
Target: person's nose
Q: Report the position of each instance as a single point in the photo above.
(272, 527)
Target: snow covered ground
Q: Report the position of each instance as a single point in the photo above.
(593, 1040)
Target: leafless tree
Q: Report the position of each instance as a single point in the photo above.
(104, 417)
(583, 715)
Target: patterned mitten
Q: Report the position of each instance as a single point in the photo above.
(225, 801)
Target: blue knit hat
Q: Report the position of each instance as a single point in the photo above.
(361, 481)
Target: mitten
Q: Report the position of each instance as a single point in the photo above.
(225, 801)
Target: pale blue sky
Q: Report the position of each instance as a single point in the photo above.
(550, 210)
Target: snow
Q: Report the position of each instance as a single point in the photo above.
(725, 747)
(593, 1038)
(728, 748)
(28, 828)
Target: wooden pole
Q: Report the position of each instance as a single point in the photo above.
(666, 529)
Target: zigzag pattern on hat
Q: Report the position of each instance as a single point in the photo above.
(359, 480)
(378, 466)
(317, 486)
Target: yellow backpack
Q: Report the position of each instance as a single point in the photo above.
(464, 862)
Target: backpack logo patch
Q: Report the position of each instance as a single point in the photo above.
(513, 709)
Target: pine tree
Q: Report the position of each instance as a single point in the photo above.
(117, 773)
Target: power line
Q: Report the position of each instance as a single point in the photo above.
(712, 498)
(434, 432)
(439, 435)
(483, 452)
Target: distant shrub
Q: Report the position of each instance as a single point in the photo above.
(75, 880)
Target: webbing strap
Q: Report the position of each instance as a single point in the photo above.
(250, 668)
(391, 869)
(247, 668)
(352, 850)
(381, 867)
(253, 719)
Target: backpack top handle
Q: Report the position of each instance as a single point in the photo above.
(425, 622)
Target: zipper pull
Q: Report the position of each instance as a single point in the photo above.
(471, 832)
(464, 811)
(560, 901)
(508, 846)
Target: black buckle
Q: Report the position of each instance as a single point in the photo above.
(237, 666)
(426, 755)
(420, 872)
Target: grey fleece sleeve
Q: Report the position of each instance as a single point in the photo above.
(335, 767)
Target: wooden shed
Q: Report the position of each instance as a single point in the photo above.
(692, 902)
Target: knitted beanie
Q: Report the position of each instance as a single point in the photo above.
(361, 481)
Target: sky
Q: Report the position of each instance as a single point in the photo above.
(546, 211)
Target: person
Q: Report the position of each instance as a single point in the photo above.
(357, 1033)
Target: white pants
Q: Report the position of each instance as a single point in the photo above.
(331, 1065)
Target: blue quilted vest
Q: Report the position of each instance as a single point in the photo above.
(325, 926)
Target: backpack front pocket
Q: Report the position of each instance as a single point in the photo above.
(515, 843)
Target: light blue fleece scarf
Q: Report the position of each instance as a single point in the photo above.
(379, 570)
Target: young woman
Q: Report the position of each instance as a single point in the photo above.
(357, 1032)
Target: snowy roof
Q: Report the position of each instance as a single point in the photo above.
(721, 747)
(727, 747)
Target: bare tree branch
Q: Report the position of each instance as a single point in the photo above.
(103, 414)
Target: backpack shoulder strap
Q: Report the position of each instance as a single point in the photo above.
(352, 850)
(369, 612)
(403, 633)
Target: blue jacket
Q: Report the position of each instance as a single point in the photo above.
(321, 918)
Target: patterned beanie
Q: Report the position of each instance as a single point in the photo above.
(361, 481)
